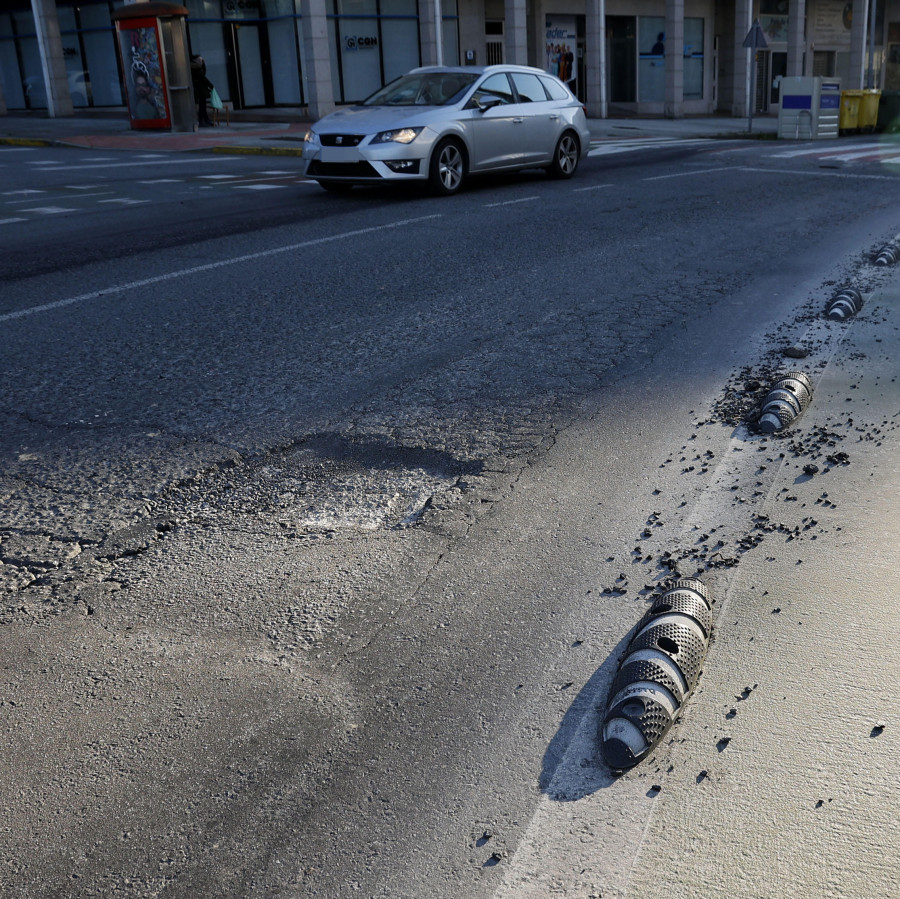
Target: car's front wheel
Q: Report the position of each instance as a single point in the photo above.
(565, 157)
(448, 167)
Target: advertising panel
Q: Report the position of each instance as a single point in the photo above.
(561, 46)
(140, 47)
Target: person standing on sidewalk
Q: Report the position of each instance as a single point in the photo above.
(202, 87)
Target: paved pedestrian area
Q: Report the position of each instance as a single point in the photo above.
(280, 132)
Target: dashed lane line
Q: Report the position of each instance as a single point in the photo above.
(50, 210)
(211, 266)
(510, 202)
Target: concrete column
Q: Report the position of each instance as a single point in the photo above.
(316, 59)
(53, 63)
(674, 105)
(859, 36)
(516, 32)
(796, 38)
(595, 63)
(428, 33)
(742, 21)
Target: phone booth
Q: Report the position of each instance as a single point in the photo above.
(153, 50)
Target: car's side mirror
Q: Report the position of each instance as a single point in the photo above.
(487, 103)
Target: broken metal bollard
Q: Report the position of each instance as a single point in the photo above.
(888, 255)
(848, 302)
(788, 397)
(660, 669)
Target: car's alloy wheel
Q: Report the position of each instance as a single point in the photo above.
(565, 157)
(448, 167)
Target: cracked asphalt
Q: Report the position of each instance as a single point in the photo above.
(315, 568)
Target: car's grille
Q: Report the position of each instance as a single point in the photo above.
(341, 169)
(341, 140)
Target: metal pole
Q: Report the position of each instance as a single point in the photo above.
(751, 100)
(438, 33)
(870, 73)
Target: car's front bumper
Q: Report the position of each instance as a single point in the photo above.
(367, 163)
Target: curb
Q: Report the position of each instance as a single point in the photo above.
(26, 142)
(253, 151)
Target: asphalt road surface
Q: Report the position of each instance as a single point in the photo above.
(326, 519)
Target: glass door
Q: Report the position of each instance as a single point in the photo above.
(249, 49)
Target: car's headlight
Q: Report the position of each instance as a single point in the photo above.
(311, 137)
(397, 136)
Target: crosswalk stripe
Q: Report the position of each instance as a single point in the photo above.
(790, 154)
(647, 143)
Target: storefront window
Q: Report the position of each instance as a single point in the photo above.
(652, 59)
(98, 40)
(373, 42)
(13, 91)
(693, 59)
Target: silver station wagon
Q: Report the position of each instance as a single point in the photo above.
(442, 124)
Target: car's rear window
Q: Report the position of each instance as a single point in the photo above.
(555, 89)
(528, 87)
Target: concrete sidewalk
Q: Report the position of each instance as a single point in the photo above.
(280, 132)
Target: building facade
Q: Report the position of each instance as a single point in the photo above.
(648, 57)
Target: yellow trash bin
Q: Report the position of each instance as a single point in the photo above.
(868, 109)
(850, 102)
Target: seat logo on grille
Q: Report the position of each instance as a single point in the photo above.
(339, 139)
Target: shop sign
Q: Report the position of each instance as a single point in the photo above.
(242, 9)
(832, 22)
(360, 42)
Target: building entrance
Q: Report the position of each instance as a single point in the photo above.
(249, 64)
(621, 54)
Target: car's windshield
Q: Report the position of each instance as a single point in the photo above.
(423, 89)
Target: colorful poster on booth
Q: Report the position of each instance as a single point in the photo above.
(144, 87)
(561, 48)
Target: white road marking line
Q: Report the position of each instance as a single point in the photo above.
(17, 193)
(211, 266)
(163, 181)
(259, 186)
(578, 190)
(49, 210)
(849, 157)
(100, 193)
(510, 202)
(257, 179)
(277, 173)
(649, 143)
(10, 221)
(215, 177)
(124, 201)
(44, 162)
(790, 154)
(81, 186)
(818, 173)
(724, 168)
(188, 160)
